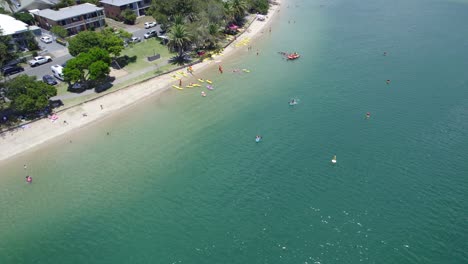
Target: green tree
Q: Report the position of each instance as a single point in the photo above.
(64, 3)
(128, 16)
(179, 39)
(84, 41)
(27, 95)
(32, 43)
(238, 9)
(7, 52)
(59, 31)
(25, 17)
(92, 65)
(258, 6)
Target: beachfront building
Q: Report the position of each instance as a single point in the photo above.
(18, 30)
(73, 18)
(113, 8)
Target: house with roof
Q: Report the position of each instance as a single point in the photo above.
(18, 30)
(113, 8)
(73, 18)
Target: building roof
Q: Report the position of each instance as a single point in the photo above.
(118, 2)
(10, 25)
(27, 5)
(67, 12)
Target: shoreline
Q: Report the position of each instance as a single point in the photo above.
(36, 133)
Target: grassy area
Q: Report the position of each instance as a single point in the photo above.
(139, 78)
(61, 88)
(144, 49)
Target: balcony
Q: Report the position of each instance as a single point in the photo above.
(83, 21)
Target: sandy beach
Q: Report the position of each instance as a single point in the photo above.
(36, 133)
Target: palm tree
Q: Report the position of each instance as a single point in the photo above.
(178, 19)
(179, 38)
(238, 8)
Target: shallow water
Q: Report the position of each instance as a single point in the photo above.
(180, 178)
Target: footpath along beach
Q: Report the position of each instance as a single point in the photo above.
(38, 132)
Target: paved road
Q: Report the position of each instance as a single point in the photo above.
(43, 69)
(139, 33)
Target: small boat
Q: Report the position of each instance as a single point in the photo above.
(177, 87)
(258, 139)
(201, 80)
(209, 87)
(293, 56)
(209, 81)
(333, 159)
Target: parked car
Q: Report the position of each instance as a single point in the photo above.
(150, 24)
(49, 79)
(36, 61)
(46, 39)
(150, 34)
(135, 40)
(57, 71)
(11, 69)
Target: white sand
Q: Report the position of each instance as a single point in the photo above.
(37, 133)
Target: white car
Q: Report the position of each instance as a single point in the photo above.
(150, 34)
(135, 40)
(150, 24)
(46, 39)
(36, 61)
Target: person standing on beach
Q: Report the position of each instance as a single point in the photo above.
(220, 69)
(102, 107)
(180, 82)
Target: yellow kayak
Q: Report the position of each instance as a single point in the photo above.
(196, 85)
(177, 87)
(175, 77)
(189, 86)
(209, 81)
(245, 70)
(201, 80)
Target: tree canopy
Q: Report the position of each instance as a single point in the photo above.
(25, 17)
(92, 65)
(86, 40)
(59, 31)
(27, 95)
(6, 48)
(128, 16)
(202, 20)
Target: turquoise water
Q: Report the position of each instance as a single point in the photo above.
(181, 180)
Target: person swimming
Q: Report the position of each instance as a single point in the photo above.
(293, 102)
(28, 179)
(258, 138)
(368, 115)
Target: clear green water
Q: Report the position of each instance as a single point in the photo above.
(181, 180)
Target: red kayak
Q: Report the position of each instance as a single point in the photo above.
(293, 56)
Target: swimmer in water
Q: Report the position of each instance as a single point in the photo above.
(388, 81)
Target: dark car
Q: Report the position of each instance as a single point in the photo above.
(11, 69)
(49, 80)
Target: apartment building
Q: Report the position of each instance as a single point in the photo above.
(73, 18)
(113, 8)
(18, 30)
